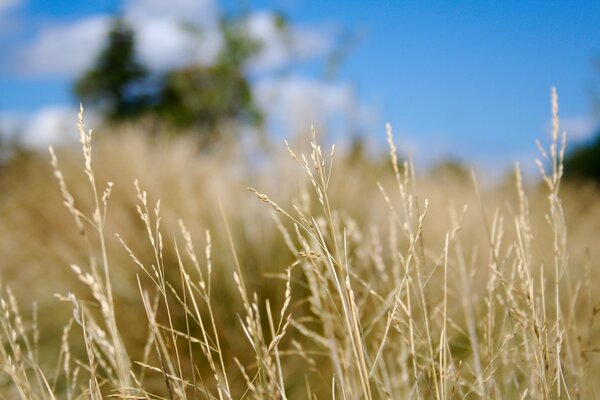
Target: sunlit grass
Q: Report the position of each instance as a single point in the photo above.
(328, 278)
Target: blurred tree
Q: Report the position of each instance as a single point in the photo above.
(238, 47)
(115, 84)
(194, 96)
(205, 96)
(583, 163)
(450, 172)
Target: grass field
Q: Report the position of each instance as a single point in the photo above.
(309, 274)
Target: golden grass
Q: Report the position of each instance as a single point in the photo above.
(327, 279)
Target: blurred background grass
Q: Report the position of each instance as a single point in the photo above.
(39, 239)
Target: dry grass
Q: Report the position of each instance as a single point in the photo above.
(342, 280)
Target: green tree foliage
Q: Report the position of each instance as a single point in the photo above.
(115, 83)
(584, 162)
(193, 96)
(204, 96)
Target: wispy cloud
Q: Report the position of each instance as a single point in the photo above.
(7, 7)
(49, 125)
(163, 44)
(293, 104)
(164, 39)
(202, 12)
(64, 50)
(580, 128)
(282, 45)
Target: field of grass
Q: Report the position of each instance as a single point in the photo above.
(140, 268)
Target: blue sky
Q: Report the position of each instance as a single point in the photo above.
(465, 79)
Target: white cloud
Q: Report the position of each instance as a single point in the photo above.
(202, 12)
(293, 104)
(162, 40)
(49, 125)
(163, 43)
(281, 45)
(580, 128)
(7, 22)
(65, 50)
(7, 6)
(309, 41)
(9, 124)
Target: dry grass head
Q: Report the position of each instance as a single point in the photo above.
(342, 280)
